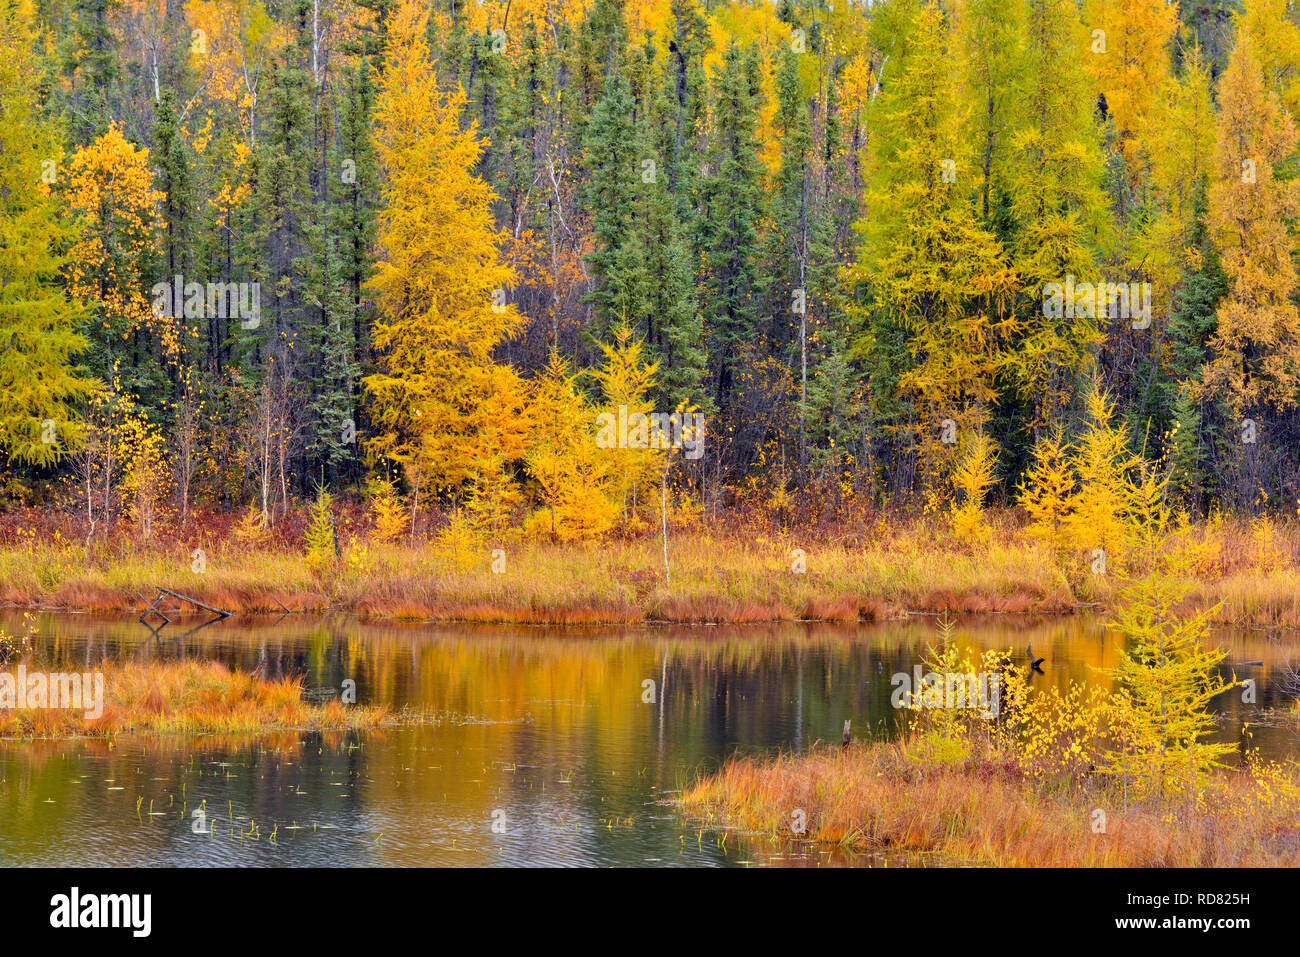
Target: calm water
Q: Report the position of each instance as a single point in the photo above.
(544, 751)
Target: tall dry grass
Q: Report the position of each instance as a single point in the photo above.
(869, 570)
(189, 697)
(874, 796)
(714, 578)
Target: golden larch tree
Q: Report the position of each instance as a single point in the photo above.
(1047, 492)
(626, 381)
(440, 285)
(1256, 347)
(573, 477)
(1102, 461)
(1129, 64)
(1271, 29)
(39, 385)
(1054, 188)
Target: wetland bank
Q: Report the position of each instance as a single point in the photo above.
(533, 745)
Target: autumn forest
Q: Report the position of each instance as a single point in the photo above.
(915, 345)
(901, 255)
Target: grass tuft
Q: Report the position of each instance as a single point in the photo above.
(190, 697)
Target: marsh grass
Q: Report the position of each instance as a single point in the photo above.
(715, 578)
(190, 697)
(875, 795)
(734, 573)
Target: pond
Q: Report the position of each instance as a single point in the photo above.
(538, 746)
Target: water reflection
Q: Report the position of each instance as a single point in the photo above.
(551, 746)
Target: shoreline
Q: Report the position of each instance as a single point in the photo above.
(573, 621)
(1239, 607)
(729, 577)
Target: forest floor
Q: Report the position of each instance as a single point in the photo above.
(878, 570)
(880, 796)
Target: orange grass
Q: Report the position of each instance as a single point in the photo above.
(872, 569)
(725, 577)
(190, 697)
(872, 796)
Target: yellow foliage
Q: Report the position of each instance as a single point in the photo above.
(972, 478)
(573, 476)
(147, 478)
(1167, 679)
(1256, 345)
(251, 528)
(1273, 33)
(1048, 491)
(1101, 461)
(110, 186)
(1132, 72)
(440, 401)
(322, 536)
(387, 511)
(460, 542)
(1269, 554)
(229, 42)
(625, 380)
